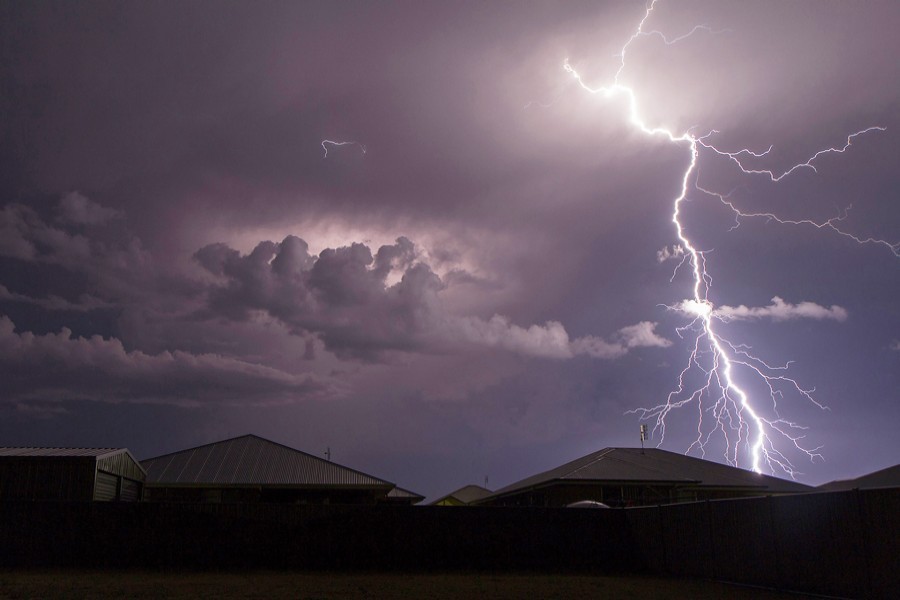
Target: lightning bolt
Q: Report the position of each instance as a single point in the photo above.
(744, 423)
(335, 143)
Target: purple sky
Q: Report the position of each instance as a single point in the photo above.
(479, 292)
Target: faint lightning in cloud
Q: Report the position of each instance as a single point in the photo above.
(326, 143)
(725, 408)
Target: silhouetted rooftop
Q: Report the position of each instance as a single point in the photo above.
(252, 460)
(652, 465)
(885, 478)
(466, 494)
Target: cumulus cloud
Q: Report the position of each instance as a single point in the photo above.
(75, 238)
(61, 367)
(85, 302)
(639, 335)
(676, 251)
(552, 341)
(780, 310)
(343, 297)
(26, 236)
(549, 340)
(80, 210)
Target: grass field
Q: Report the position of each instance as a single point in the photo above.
(74, 585)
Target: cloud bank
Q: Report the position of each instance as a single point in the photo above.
(343, 298)
(62, 367)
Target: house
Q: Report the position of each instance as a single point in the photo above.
(402, 497)
(70, 474)
(252, 469)
(637, 477)
(463, 496)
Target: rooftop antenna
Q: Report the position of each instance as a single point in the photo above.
(643, 437)
(485, 482)
(328, 452)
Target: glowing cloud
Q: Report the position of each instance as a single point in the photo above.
(780, 310)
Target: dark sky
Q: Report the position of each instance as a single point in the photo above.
(476, 287)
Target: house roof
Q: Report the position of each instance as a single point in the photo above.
(399, 492)
(466, 494)
(885, 478)
(633, 465)
(252, 460)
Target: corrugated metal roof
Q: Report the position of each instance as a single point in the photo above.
(252, 460)
(90, 452)
(884, 478)
(655, 465)
(466, 494)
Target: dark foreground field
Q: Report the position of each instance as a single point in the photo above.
(75, 584)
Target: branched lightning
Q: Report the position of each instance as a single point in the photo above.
(724, 407)
(335, 143)
(832, 224)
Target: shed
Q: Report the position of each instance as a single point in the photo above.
(74, 474)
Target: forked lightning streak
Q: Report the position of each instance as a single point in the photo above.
(746, 424)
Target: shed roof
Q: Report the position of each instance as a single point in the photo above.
(466, 494)
(118, 461)
(885, 478)
(60, 452)
(633, 465)
(252, 460)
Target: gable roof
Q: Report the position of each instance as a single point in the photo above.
(652, 465)
(466, 494)
(252, 460)
(885, 478)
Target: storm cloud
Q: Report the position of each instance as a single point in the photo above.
(343, 297)
(60, 367)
